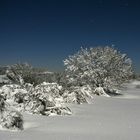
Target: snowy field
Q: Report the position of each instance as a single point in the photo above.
(116, 118)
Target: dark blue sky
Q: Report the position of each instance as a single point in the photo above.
(44, 33)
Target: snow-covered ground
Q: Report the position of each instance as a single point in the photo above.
(116, 118)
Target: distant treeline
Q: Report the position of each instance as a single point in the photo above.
(30, 74)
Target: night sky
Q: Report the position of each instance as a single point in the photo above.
(44, 33)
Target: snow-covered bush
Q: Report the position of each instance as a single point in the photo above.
(45, 99)
(13, 93)
(9, 118)
(100, 91)
(12, 120)
(98, 67)
(78, 94)
(42, 99)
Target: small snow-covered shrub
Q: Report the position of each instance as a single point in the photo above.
(78, 94)
(36, 107)
(112, 92)
(14, 93)
(12, 120)
(45, 98)
(100, 91)
(9, 119)
(52, 89)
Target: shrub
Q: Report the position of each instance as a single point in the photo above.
(14, 93)
(45, 99)
(78, 94)
(98, 67)
(12, 120)
(42, 99)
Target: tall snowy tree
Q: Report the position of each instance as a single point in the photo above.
(98, 67)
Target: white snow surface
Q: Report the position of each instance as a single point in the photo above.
(116, 118)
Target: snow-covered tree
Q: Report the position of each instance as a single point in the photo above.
(98, 67)
(20, 73)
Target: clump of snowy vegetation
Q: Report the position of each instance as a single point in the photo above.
(78, 94)
(102, 67)
(13, 93)
(42, 99)
(46, 99)
(10, 119)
